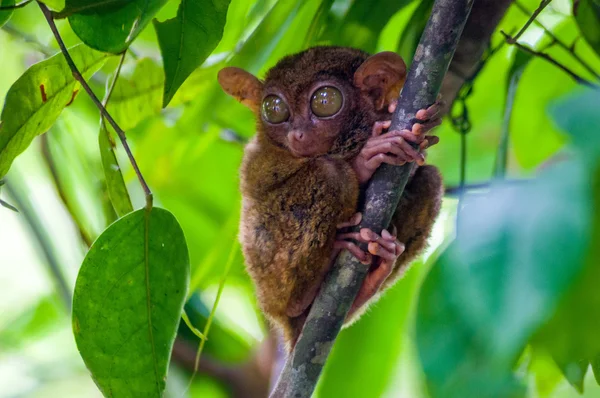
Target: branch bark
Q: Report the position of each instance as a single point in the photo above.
(434, 53)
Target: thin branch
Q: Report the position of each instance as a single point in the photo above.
(49, 159)
(535, 14)
(330, 308)
(27, 38)
(554, 62)
(15, 6)
(77, 75)
(560, 43)
(458, 190)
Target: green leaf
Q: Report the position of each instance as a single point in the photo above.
(363, 23)
(5, 15)
(519, 250)
(37, 98)
(571, 335)
(128, 301)
(587, 15)
(136, 97)
(409, 39)
(110, 26)
(595, 362)
(117, 190)
(188, 39)
(575, 373)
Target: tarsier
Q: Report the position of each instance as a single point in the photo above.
(322, 117)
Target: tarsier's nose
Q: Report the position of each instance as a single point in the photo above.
(298, 135)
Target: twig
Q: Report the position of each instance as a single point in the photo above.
(49, 159)
(10, 29)
(15, 6)
(41, 234)
(77, 75)
(535, 14)
(8, 206)
(554, 62)
(330, 308)
(458, 190)
(562, 44)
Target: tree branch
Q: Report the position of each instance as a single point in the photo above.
(432, 58)
(77, 75)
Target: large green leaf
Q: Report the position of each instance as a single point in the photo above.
(571, 335)
(518, 251)
(137, 96)
(35, 100)
(117, 190)
(128, 301)
(112, 25)
(587, 15)
(5, 15)
(186, 40)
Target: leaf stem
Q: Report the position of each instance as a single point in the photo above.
(77, 75)
(15, 6)
(535, 14)
(548, 58)
(556, 40)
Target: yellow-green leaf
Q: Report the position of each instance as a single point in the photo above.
(37, 98)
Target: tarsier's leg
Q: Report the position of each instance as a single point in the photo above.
(415, 215)
(297, 307)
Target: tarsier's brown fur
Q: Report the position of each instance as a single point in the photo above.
(291, 203)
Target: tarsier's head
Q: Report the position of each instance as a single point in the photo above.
(318, 101)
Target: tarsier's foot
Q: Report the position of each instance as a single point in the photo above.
(394, 147)
(344, 240)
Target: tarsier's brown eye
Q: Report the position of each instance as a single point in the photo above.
(326, 101)
(275, 110)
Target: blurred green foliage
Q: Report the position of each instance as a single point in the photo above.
(503, 304)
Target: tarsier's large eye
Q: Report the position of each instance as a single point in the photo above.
(326, 101)
(275, 110)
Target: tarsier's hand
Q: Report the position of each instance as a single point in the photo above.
(393, 147)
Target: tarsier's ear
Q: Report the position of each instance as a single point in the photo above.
(241, 85)
(381, 76)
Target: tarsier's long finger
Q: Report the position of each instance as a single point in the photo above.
(429, 141)
(354, 221)
(379, 126)
(387, 147)
(392, 106)
(422, 128)
(362, 256)
(378, 160)
(385, 246)
(432, 111)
